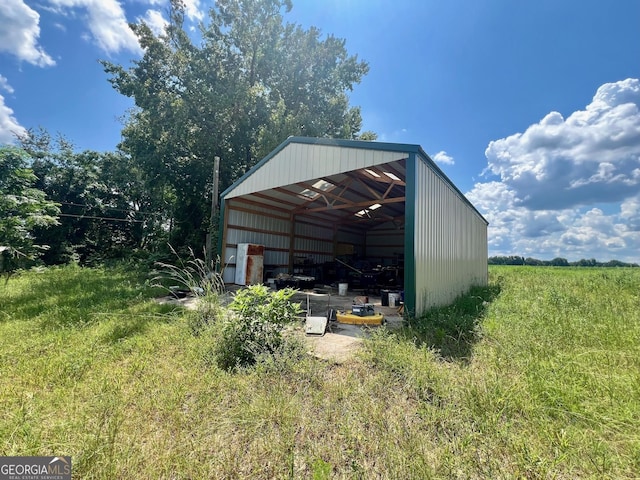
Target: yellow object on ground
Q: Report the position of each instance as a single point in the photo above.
(351, 319)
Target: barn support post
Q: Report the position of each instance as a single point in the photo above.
(292, 240)
(410, 237)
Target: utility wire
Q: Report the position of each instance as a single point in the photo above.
(100, 218)
(107, 208)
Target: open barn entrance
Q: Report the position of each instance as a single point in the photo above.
(347, 227)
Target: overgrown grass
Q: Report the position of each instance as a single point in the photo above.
(539, 379)
(453, 330)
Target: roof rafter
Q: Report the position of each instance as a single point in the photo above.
(354, 205)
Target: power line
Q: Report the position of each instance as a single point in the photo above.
(107, 208)
(93, 217)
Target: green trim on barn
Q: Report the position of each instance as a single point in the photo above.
(409, 237)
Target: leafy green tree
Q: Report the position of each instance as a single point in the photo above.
(616, 263)
(533, 261)
(23, 208)
(559, 262)
(368, 136)
(583, 262)
(252, 81)
(102, 206)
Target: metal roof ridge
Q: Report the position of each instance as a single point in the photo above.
(364, 144)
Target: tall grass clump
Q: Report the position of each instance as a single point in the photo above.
(248, 330)
(202, 278)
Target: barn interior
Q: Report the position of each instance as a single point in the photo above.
(347, 227)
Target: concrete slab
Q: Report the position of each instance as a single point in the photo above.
(333, 347)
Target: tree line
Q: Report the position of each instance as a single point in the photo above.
(556, 262)
(249, 81)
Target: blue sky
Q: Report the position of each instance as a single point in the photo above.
(530, 107)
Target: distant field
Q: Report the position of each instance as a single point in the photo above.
(537, 376)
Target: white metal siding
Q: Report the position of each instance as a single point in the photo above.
(300, 162)
(312, 242)
(385, 244)
(352, 238)
(450, 241)
(349, 236)
(256, 228)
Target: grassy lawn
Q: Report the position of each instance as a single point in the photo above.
(537, 376)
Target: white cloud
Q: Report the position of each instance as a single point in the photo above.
(443, 158)
(4, 84)
(9, 126)
(630, 213)
(155, 21)
(397, 136)
(573, 233)
(594, 231)
(192, 10)
(569, 187)
(591, 157)
(107, 23)
(20, 32)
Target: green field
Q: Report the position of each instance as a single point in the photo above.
(537, 376)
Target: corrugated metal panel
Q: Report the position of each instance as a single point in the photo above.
(256, 228)
(385, 244)
(450, 242)
(315, 231)
(300, 162)
(312, 242)
(347, 236)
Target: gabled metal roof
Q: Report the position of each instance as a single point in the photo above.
(339, 181)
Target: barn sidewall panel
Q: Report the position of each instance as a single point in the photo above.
(450, 242)
(257, 228)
